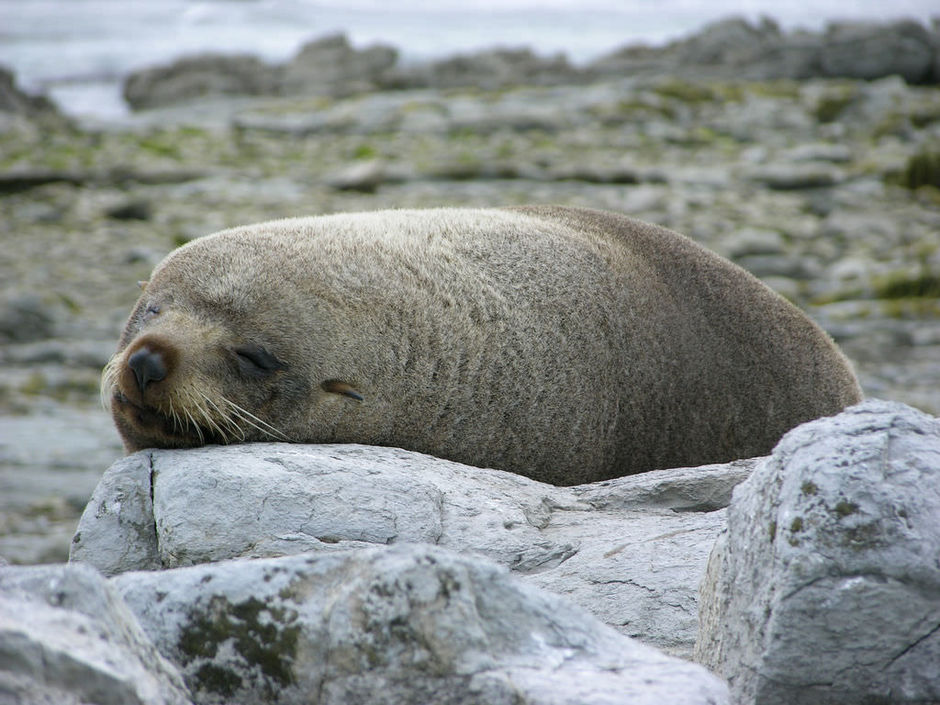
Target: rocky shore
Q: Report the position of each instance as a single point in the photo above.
(823, 182)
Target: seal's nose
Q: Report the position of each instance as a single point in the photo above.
(148, 366)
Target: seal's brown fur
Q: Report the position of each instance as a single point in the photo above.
(564, 344)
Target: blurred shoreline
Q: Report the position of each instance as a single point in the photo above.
(80, 56)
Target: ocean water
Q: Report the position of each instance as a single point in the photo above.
(78, 51)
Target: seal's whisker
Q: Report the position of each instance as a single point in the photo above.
(191, 421)
(255, 422)
(224, 418)
(199, 403)
(108, 379)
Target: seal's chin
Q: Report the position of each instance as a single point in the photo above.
(147, 427)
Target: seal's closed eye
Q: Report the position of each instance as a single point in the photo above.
(255, 361)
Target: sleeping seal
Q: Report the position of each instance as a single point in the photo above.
(564, 344)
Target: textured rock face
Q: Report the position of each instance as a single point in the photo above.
(66, 637)
(410, 624)
(631, 550)
(826, 586)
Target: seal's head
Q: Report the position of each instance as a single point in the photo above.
(208, 354)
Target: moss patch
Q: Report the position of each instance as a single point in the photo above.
(265, 637)
(844, 509)
(830, 107)
(924, 285)
(223, 681)
(922, 169)
(686, 91)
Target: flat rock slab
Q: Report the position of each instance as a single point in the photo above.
(404, 624)
(826, 586)
(631, 550)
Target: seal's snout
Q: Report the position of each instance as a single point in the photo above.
(148, 366)
(145, 370)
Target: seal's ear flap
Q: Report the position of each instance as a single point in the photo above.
(336, 386)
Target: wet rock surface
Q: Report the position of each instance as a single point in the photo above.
(825, 188)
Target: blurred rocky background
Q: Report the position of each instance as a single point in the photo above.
(812, 159)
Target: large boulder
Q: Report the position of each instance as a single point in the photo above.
(16, 101)
(729, 42)
(407, 624)
(331, 66)
(200, 77)
(736, 48)
(66, 638)
(729, 49)
(826, 586)
(631, 550)
(868, 51)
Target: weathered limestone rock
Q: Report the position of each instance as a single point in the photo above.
(631, 550)
(407, 624)
(826, 586)
(67, 638)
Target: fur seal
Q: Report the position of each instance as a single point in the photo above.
(565, 344)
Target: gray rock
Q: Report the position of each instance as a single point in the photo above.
(200, 77)
(15, 101)
(752, 241)
(330, 66)
(792, 266)
(117, 532)
(728, 42)
(735, 48)
(731, 48)
(66, 637)
(819, 152)
(631, 550)
(826, 587)
(493, 69)
(407, 624)
(28, 317)
(868, 50)
(365, 176)
(133, 209)
(801, 175)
